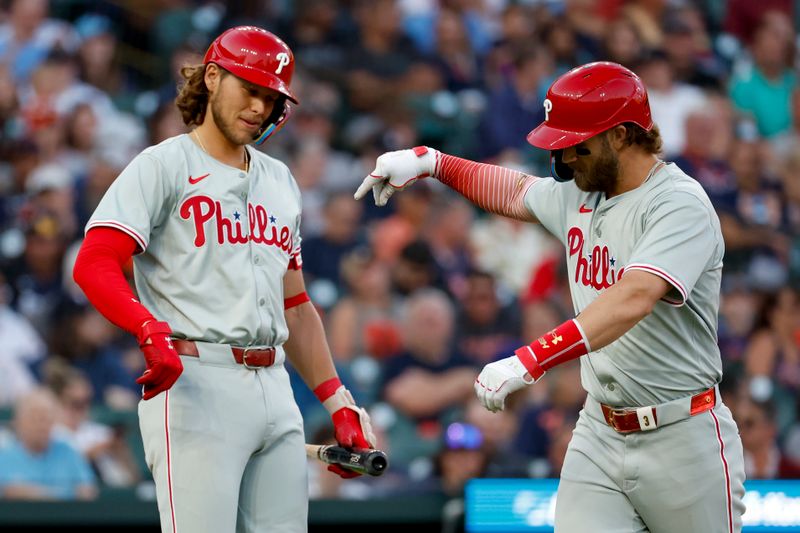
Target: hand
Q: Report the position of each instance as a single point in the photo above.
(163, 362)
(499, 379)
(394, 171)
(351, 425)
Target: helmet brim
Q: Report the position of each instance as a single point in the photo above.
(549, 138)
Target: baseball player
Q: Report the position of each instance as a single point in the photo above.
(654, 449)
(213, 227)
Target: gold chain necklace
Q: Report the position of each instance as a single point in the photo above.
(246, 154)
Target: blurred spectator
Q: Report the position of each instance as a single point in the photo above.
(499, 429)
(103, 446)
(414, 269)
(462, 458)
(99, 61)
(510, 250)
(454, 53)
(486, 329)
(622, 43)
(323, 253)
(688, 47)
(516, 104)
(51, 190)
(92, 344)
(763, 458)
(762, 90)
(164, 123)
(671, 102)
(23, 351)
(429, 377)
(743, 17)
(35, 278)
(27, 36)
(772, 353)
(447, 233)
(708, 142)
(34, 465)
(391, 235)
(363, 321)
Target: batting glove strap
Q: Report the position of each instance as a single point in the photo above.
(152, 328)
(555, 347)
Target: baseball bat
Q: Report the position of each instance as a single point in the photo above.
(361, 460)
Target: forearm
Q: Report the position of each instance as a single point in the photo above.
(425, 395)
(492, 188)
(614, 313)
(307, 348)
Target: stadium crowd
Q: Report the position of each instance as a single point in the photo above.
(416, 298)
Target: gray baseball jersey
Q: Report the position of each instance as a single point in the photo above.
(216, 241)
(688, 475)
(666, 227)
(225, 443)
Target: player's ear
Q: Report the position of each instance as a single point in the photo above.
(212, 77)
(617, 137)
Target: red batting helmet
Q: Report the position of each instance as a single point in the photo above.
(588, 100)
(256, 55)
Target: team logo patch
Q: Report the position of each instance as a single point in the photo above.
(283, 61)
(548, 106)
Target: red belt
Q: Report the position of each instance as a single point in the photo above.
(629, 420)
(249, 357)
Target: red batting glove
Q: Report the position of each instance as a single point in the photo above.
(351, 423)
(163, 363)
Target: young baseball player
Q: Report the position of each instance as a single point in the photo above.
(654, 448)
(213, 228)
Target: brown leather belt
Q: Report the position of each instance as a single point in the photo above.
(629, 420)
(249, 357)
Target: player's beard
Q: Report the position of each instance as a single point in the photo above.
(602, 176)
(227, 129)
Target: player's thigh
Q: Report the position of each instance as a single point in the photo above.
(274, 489)
(692, 477)
(196, 455)
(589, 497)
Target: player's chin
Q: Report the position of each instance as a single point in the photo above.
(249, 130)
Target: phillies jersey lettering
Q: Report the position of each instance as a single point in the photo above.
(666, 227)
(595, 268)
(227, 236)
(263, 227)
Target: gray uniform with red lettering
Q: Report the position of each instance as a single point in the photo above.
(225, 441)
(682, 473)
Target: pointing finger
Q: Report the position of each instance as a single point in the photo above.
(366, 185)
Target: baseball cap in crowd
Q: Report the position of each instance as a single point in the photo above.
(91, 25)
(462, 436)
(48, 177)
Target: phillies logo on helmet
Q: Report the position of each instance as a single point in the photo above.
(283, 60)
(548, 106)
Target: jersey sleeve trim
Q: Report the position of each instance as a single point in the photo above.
(135, 235)
(665, 276)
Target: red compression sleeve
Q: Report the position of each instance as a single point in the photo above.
(490, 187)
(560, 345)
(98, 271)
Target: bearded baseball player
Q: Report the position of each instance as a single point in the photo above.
(654, 449)
(213, 228)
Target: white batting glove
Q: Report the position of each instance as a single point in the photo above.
(394, 171)
(499, 379)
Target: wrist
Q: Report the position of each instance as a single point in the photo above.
(333, 395)
(149, 328)
(426, 157)
(562, 344)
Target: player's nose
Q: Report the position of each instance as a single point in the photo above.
(569, 155)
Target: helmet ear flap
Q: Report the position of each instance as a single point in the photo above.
(281, 112)
(558, 169)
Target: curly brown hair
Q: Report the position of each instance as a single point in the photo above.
(192, 99)
(650, 141)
